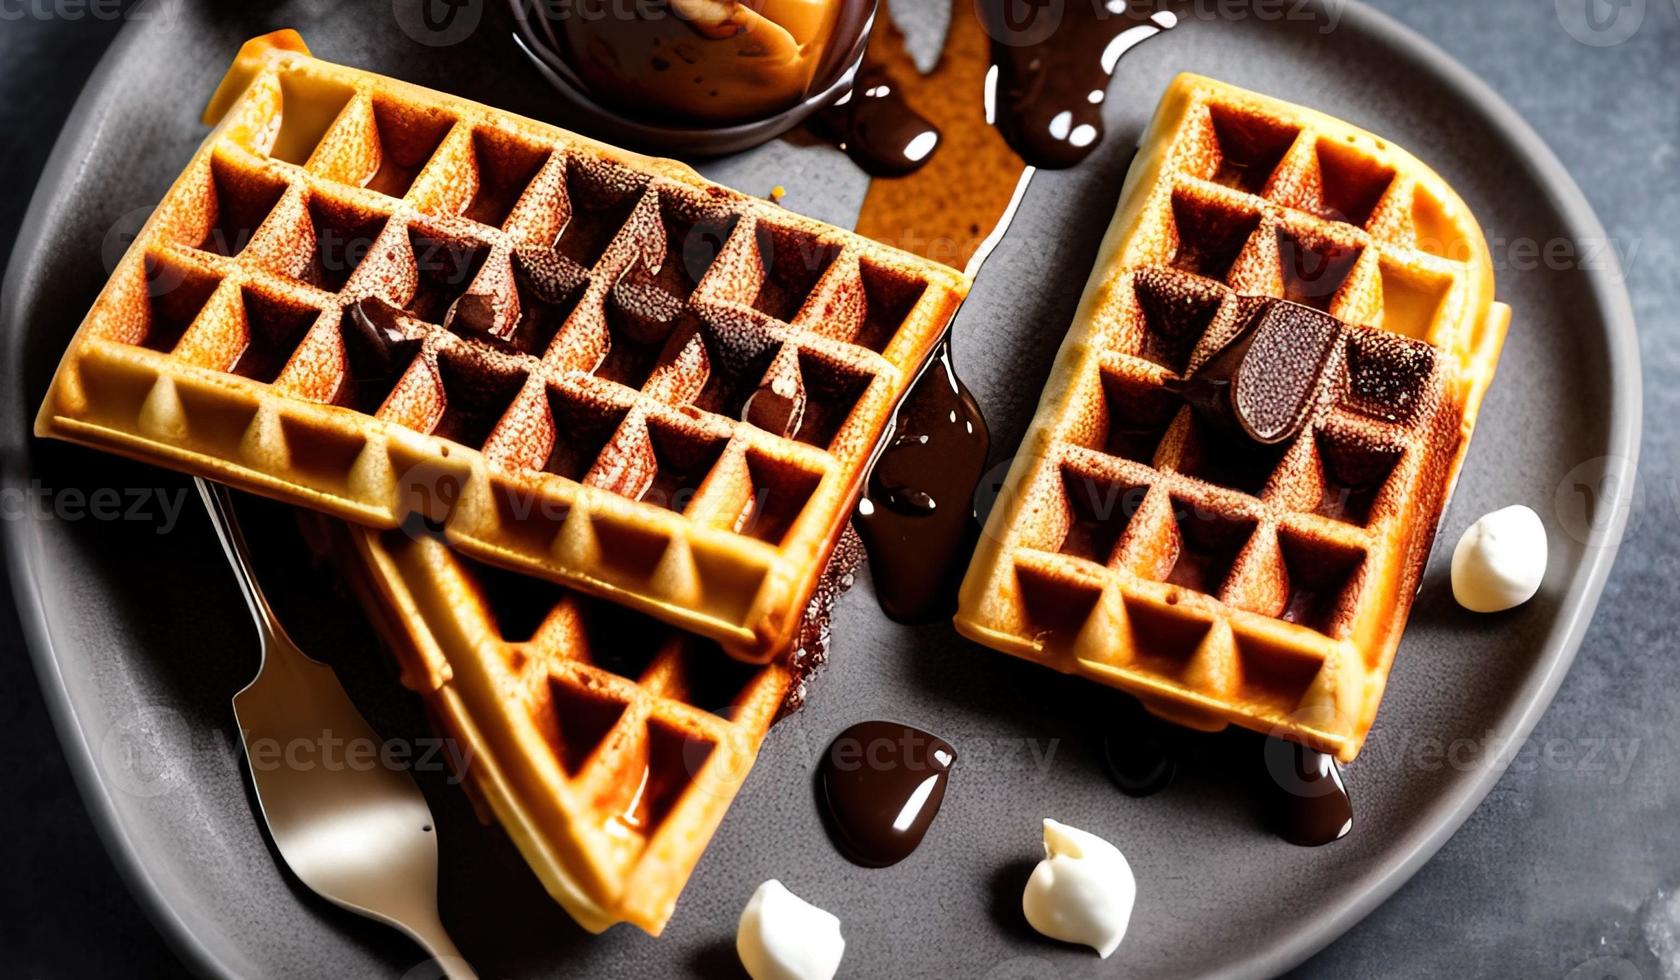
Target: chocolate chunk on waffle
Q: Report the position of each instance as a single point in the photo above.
(392, 305)
(1229, 492)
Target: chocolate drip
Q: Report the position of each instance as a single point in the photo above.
(877, 128)
(917, 514)
(1054, 61)
(916, 517)
(1309, 804)
(880, 785)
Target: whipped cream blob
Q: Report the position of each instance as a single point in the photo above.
(1500, 560)
(1083, 890)
(784, 937)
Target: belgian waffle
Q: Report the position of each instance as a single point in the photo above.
(392, 305)
(607, 743)
(1220, 580)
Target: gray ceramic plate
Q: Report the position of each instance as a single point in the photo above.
(139, 638)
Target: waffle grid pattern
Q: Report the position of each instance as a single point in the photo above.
(608, 744)
(1139, 545)
(577, 416)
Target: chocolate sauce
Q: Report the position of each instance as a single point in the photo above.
(1302, 794)
(877, 128)
(1265, 381)
(376, 345)
(473, 315)
(916, 516)
(880, 785)
(917, 512)
(1308, 803)
(1054, 61)
(777, 405)
(695, 63)
(946, 208)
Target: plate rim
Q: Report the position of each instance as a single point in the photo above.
(73, 737)
(1607, 285)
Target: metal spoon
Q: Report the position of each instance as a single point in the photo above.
(354, 829)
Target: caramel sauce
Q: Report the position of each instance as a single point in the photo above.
(946, 208)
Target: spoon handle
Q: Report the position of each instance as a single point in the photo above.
(219, 502)
(436, 942)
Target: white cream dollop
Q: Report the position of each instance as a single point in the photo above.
(784, 937)
(1500, 560)
(1083, 890)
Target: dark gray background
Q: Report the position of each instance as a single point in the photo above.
(1563, 870)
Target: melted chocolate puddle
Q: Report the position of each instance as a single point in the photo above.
(916, 515)
(1308, 804)
(1300, 790)
(1054, 62)
(880, 785)
(876, 127)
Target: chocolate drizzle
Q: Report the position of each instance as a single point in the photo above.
(1308, 803)
(1053, 67)
(916, 516)
(880, 785)
(917, 513)
(877, 128)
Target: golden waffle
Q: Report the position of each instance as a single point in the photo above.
(607, 744)
(578, 418)
(1138, 545)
